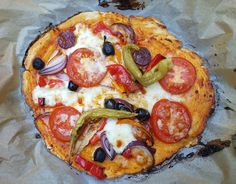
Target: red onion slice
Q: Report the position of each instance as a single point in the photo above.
(56, 65)
(141, 144)
(127, 104)
(63, 76)
(41, 101)
(118, 27)
(107, 146)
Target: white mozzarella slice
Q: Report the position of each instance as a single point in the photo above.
(55, 95)
(91, 97)
(94, 97)
(119, 135)
(86, 39)
(155, 93)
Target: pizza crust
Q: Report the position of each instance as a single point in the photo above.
(150, 33)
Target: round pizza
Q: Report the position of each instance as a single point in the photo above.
(115, 95)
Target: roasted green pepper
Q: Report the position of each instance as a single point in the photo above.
(94, 114)
(156, 73)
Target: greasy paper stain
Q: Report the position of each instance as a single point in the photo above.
(123, 4)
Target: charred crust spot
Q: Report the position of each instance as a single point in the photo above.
(169, 40)
(103, 3)
(190, 155)
(123, 4)
(196, 91)
(37, 136)
(212, 110)
(209, 150)
(213, 147)
(228, 108)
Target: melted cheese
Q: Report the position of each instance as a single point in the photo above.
(94, 97)
(55, 95)
(86, 39)
(119, 135)
(155, 93)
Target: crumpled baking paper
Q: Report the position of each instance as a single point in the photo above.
(207, 27)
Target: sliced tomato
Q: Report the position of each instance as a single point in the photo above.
(122, 77)
(100, 26)
(94, 169)
(86, 73)
(180, 78)
(170, 121)
(61, 122)
(154, 61)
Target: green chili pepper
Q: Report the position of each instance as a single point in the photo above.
(157, 72)
(153, 75)
(129, 62)
(94, 114)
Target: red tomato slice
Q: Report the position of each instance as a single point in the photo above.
(170, 121)
(84, 73)
(122, 77)
(61, 122)
(154, 61)
(180, 78)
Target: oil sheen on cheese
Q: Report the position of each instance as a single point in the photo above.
(119, 135)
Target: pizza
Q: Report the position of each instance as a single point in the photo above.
(113, 94)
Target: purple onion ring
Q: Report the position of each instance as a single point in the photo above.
(107, 146)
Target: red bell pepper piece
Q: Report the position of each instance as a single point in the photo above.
(154, 61)
(95, 170)
(122, 77)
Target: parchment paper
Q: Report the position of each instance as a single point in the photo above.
(207, 27)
